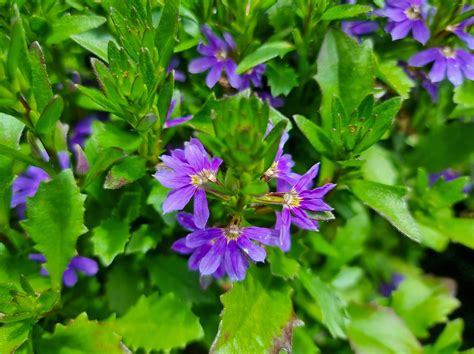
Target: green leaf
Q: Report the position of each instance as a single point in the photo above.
(394, 76)
(143, 239)
(340, 12)
(449, 340)
(464, 94)
(390, 203)
(459, 230)
(316, 135)
(181, 282)
(264, 53)
(39, 78)
(379, 330)
(281, 78)
(81, 336)
(58, 208)
(165, 33)
(253, 307)
(104, 159)
(444, 146)
(332, 309)
(283, 265)
(109, 239)
(50, 115)
(129, 170)
(10, 133)
(159, 323)
(423, 302)
(13, 335)
(345, 69)
(18, 51)
(69, 25)
(95, 42)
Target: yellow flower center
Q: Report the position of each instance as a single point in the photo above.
(232, 232)
(203, 177)
(292, 199)
(413, 13)
(449, 52)
(272, 171)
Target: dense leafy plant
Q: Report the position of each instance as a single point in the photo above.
(234, 176)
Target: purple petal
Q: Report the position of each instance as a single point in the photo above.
(44, 272)
(179, 246)
(466, 38)
(177, 164)
(235, 263)
(195, 259)
(195, 157)
(424, 57)
(201, 64)
(315, 205)
(395, 14)
(201, 209)
(230, 69)
(186, 220)
(301, 219)
(210, 262)
(307, 178)
(200, 237)
(438, 71)
(214, 74)
(454, 72)
(254, 251)
(263, 235)
(401, 29)
(285, 237)
(319, 192)
(421, 32)
(69, 277)
(206, 50)
(82, 165)
(63, 159)
(178, 199)
(37, 257)
(171, 179)
(215, 164)
(177, 121)
(85, 265)
(230, 41)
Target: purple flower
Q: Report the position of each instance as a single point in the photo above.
(81, 131)
(431, 87)
(267, 97)
(26, 185)
(173, 65)
(281, 166)
(405, 16)
(77, 264)
(220, 251)
(216, 57)
(359, 28)
(448, 175)
(187, 171)
(455, 64)
(460, 29)
(299, 199)
(252, 76)
(175, 121)
(386, 289)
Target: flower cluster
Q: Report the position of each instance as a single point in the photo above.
(230, 249)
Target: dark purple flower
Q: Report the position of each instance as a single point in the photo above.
(26, 185)
(252, 76)
(455, 64)
(173, 65)
(267, 97)
(406, 16)
(187, 171)
(175, 121)
(448, 175)
(359, 28)
(297, 201)
(81, 131)
(386, 289)
(217, 58)
(431, 87)
(77, 264)
(220, 251)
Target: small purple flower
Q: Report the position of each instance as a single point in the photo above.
(173, 65)
(26, 185)
(281, 166)
(220, 251)
(386, 289)
(448, 175)
(175, 121)
(187, 171)
(460, 29)
(455, 64)
(299, 199)
(216, 56)
(82, 130)
(252, 76)
(275, 102)
(431, 87)
(77, 264)
(359, 28)
(405, 16)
